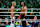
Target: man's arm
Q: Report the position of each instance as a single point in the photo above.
(12, 11)
(25, 10)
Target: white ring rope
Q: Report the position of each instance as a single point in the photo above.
(18, 20)
(20, 9)
(5, 15)
(18, 15)
(19, 12)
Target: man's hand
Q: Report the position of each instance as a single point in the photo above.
(23, 18)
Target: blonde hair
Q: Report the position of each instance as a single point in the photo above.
(13, 2)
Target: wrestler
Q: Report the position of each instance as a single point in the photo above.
(13, 8)
(23, 9)
(23, 15)
(12, 14)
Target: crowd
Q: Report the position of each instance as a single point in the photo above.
(19, 24)
(28, 3)
(38, 17)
